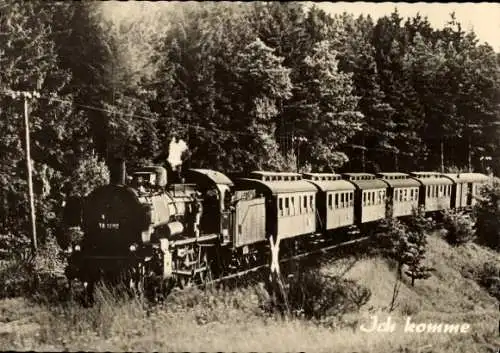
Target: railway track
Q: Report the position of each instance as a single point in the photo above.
(321, 251)
(231, 279)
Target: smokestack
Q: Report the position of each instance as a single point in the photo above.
(117, 171)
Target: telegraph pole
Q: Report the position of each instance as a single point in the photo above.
(30, 176)
(27, 96)
(442, 156)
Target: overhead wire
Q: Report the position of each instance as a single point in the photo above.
(141, 117)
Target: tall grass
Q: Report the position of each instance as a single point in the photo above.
(222, 318)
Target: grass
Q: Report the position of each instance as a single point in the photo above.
(233, 320)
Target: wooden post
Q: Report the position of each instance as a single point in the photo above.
(363, 158)
(363, 163)
(298, 155)
(469, 157)
(275, 249)
(442, 156)
(277, 285)
(30, 178)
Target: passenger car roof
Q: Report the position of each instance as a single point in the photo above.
(431, 178)
(213, 176)
(278, 187)
(275, 176)
(328, 181)
(466, 177)
(398, 180)
(364, 181)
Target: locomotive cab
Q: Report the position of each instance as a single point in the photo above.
(216, 189)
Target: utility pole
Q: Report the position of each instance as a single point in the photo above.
(469, 155)
(27, 96)
(470, 131)
(442, 156)
(30, 176)
(299, 141)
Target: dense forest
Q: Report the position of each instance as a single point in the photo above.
(247, 86)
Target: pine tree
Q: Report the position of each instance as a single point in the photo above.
(416, 247)
(377, 135)
(325, 109)
(391, 45)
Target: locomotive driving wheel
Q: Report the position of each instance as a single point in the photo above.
(191, 265)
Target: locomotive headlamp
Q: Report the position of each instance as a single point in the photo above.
(133, 247)
(77, 248)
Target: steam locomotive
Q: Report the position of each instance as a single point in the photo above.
(155, 234)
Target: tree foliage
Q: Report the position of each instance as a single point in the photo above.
(458, 227)
(406, 243)
(487, 212)
(30, 62)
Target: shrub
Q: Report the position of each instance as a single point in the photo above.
(25, 275)
(487, 213)
(489, 277)
(313, 295)
(458, 227)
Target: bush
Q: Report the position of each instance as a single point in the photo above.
(313, 295)
(489, 278)
(458, 227)
(487, 213)
(25, 275)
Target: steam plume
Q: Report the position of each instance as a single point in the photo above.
(175, 150)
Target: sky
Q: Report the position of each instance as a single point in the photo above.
(483, 18)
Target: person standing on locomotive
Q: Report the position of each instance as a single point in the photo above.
(197, 211)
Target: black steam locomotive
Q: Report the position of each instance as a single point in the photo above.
(149, 231)
(154, 234)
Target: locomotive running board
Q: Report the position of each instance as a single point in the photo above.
(201, 239)
(189, 273)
